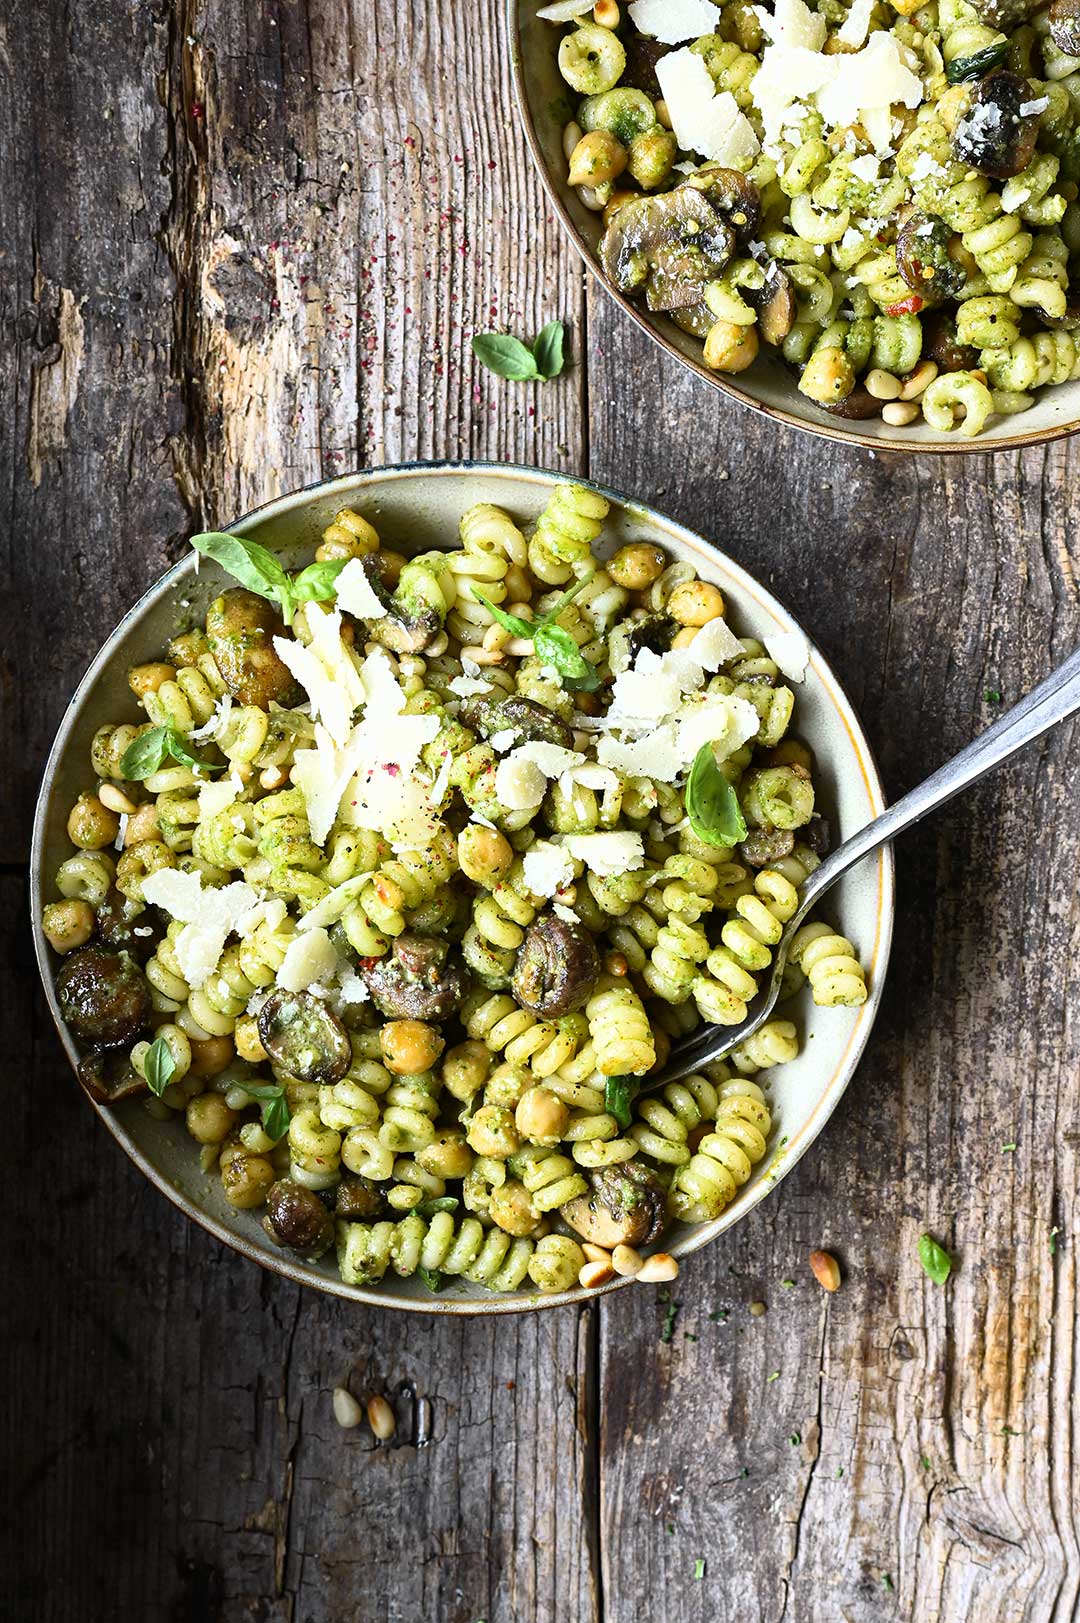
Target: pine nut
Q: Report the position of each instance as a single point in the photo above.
(606, 13)
(381, 1417)
(488, 656)
(919, 381)
(882, 385)
(571, 135)
(616, 963)
(899, 413)
(663, 114)
(657, 1268)
(626, 1261)
(347, 1412)
(758, 1310)
(978, 374)
(595, 1253)
(825, 1269)
(591, 199)
(595, 1273)
(272, 777)
(116, 799)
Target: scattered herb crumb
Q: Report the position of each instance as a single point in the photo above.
(720, 1315)
(745, 1471)
(1054, 1232)
(992, 695)
(668, 1327)
(788, 1284)
(937, 1264)
(886, 1581)
(1007, 1431)
(669, 1527)
(774, 1376)
(689, 1336)
(839, 1470)
(699, 1568)
(795, 1439)
(1005, 1148)
(924, 1462)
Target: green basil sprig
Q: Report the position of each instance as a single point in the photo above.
(711, 803)
(159, 1066)
(149, 752)
(550, 642)
(508, 357)
(261, 572)
(619, 1094)
(936, 1261)
(979, 63)
(432, 1279)
(275, 1107)
(438, 1203)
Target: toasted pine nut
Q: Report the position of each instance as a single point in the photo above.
(606, 13)
(626, 1261)
(663, 116)
(882, 385)
(490, 656)
(594, 1274)
(520, 647)
(496, 637)
(919, 381)
(590, 199)
(978, 373)
(347, 1412)
(571, 135)
(272, 777)
(825, 1269)
(116, 799)
(899, 413)
(657, 1268)
(595, 1253)
(381, 1417)
(141, 825)
(616, 963)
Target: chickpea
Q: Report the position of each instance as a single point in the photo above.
(637, 565)
(68, 924)
(248, 1044)
(615, 203)
(90, 825)
(409, 1046)
(144, 679)
(695, 603)
(246, 1180)
(792, 752)
(491, 1132)
(209, 1119)
(828, 376)
(729, 348)
(506, 1084)
(685, 637)
(512, 1209)
(652, 154)
(541, 1116)
(448, 1157)
(465, 1069)
(484, 853)
(598, 157)
(210, 1055)
(186, 650)
(141, 825)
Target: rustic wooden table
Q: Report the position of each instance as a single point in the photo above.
(245, 246)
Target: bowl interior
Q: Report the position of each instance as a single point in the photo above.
(416, 508)
(768, 386)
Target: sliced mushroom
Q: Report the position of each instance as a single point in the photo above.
(940, 345)
(297, 1220)
(109, 1077)
(1003, 14)
(241, 627)
(642, 55)
(413, 619)
(766, 846)
(730, 193)
(924, 260)
(695, 318)
(103, 997)
(858, 405)
(626, 1206)
(775, 304)
(531, 720)
(1064, 19)
(304, 1037)
(817, 835)
(359, 1200)
(669, 247)
(994, 136)
(557, 967)
(419, 980)
(128, 926)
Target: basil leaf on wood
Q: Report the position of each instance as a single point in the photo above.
(159, 1066)
(937, 1263)
(548, 350)
(711, 803)
(506, 356)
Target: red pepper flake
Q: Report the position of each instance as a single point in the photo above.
(393, 769)
(198, 110)
(905, 307)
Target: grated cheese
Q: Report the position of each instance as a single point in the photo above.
(673, 21)
(606, 854)
(854, 28)
(548, 868)
(790, 651)
(215, 798)
(208, 916)
(325, 671)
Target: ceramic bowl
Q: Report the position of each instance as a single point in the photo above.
(768, 386)
(414, 508)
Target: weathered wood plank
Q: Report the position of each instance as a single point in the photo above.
(912, 1456)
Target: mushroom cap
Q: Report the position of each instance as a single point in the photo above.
(994, 136)
(626, 1206)
(670, 245)
(557, 967)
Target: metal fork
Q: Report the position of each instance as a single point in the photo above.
(1052, 701)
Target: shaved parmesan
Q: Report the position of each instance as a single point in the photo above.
(325, 671)
(322, 775)
(215, 797)
(209, 728)
(567, 914)
(790, 651)
(333, 905)
(308, 958)
(673, 21)
(870, 80)
(467, 686)
(606, 854)
(519, 784)
(793, 24)
(855, 25)
(846, 89)
(504, 739)
(703, 121)
(356, 594)
(548, 868)
(208, 916)
(715, 644)
(564, 11)
(351, 989)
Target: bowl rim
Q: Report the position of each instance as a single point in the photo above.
(783, 1157)
(717, 380)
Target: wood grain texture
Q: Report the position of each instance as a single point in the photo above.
(249, 252)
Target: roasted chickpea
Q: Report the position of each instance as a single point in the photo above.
(541, 1116)
(484, 854)
(827, 377)
(144, 679)
(512, 1209)
(449, 1156)
(67, 925)
(245, 1179)
(209, 1119)
(598, 157)
(210, 1055)
(90, 825)
(695, 603)
(409, 1046)
(491, 1132)
(729, 348)
(637, 565)
(465, 1069)
(248, 1044)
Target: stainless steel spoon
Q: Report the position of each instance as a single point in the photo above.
(1052, 701)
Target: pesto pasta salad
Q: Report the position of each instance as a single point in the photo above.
(884, 192)
(409, 874)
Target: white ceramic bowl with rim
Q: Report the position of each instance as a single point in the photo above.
(417, 507)
(769, 385)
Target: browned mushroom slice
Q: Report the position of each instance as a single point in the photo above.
(766, 846)
(557, 967)
(994, 136)
(241, 628)
(304, 1037)
(669, 247)
(1064, 20)
(109, 1077)
(730, 193)
(642, 55)
(1005, 14)
(924, 260)
(420, 980)
(297, 1220)
(940, 345)
(858, 405)
(695, 318)
(103, 997)
(626, 1206)
(775, 304)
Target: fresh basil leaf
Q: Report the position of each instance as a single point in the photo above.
(619, 1094)
(275, 1111)
(159, 1066)
(976, 65)
(178, 749)
(249, 563)
(557, 647)
(548, 350)
(145, 754)
(318, 582)
(432, 1279)
(936, 1261)
(509, 622)
(507, 357)
(438, 1203)
(711, 803)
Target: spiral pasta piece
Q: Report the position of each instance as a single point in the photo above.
(830, 965)
(709, 1180)
(561, 544)
(487, 1257)
(620, 1031)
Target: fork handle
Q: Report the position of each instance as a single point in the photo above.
(1054, 700)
